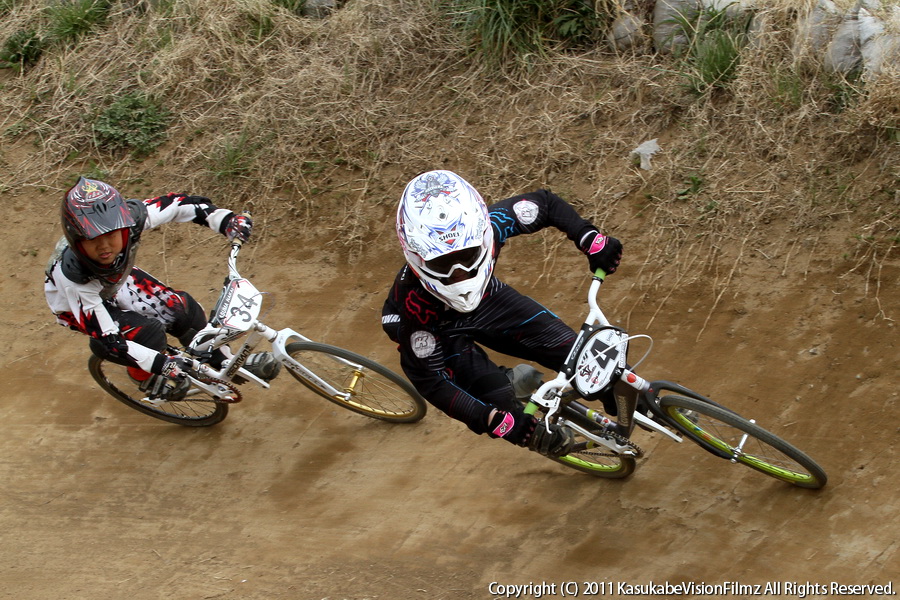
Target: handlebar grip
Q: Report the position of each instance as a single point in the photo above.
(236, 241)
(600, 274)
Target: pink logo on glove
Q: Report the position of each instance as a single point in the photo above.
(598, 244)
(505, 426)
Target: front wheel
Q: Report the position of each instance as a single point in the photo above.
(197, 409)
(733, 437)
(355, 382)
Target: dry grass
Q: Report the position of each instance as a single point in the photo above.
(321, 123)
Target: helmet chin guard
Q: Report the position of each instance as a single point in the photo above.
(447, 238)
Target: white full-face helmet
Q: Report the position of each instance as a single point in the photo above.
(447, 238)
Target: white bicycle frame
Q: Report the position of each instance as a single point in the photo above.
(549, 395)
(236, 314)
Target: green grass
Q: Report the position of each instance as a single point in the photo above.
(133, 122)
(72, 19)
(234, 158)
(21, 49)
(712, 55)
(519, 31)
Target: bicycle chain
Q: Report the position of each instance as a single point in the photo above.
(234, 390)
(621, 440)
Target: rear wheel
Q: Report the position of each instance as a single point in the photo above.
(597, 460)
(197, 409)
(356, 383)
(733, 437)
(590, 457)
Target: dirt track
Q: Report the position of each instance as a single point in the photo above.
(293, 498)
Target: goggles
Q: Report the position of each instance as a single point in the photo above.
(467, 259)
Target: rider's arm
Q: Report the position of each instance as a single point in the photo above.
(429, 376)
(183, 208)
(534, 211)
(531, 212)
(79, 306)
(410, 318)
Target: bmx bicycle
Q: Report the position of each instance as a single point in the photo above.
(597, 368)
(349, 380)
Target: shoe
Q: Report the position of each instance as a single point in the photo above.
(524, 379)
(263, 365)
(158, 387)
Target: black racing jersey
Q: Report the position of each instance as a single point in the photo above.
(428, 332)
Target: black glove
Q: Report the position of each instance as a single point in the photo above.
(239, 227)
(115, 345)
(554, 443)
(512, 427)
(176, 367)
(603, 252)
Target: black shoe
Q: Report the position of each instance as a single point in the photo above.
(158, 387)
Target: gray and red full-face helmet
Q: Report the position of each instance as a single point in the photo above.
(93, 208)
(447, 237)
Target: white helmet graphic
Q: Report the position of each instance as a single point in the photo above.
(447, 238)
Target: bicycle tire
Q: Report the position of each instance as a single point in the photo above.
(719, 430)
(197, 411)
(376, 391)
(589, 458)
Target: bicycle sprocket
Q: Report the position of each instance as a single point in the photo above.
(231, 396)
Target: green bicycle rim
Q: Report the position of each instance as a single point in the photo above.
(797, 478)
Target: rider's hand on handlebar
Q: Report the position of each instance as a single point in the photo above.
(603, 252)
(239, 228)
(552, 440)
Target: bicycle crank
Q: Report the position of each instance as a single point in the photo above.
(221, 391)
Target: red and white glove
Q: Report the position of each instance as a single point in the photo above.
(239, 227)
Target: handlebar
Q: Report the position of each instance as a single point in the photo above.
(236, 244)
(232, 260)
(596, 315)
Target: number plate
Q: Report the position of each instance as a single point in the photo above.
(604, 352)
(239, 305)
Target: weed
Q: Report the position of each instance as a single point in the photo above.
(294, 6)
(715, 40)
(695, 184)
(21, 49)
(789, 88)
(843, 91)
(234, 158)
(15, 130)
(506, 31)
(134, 122)
(94, 171)
(70, 20)
(261, 26)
